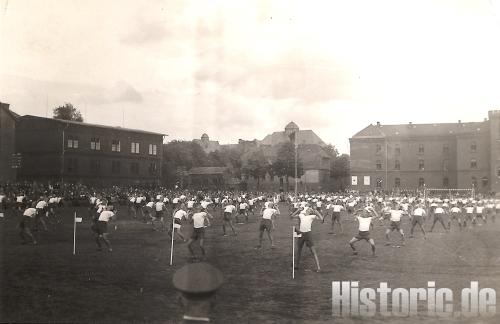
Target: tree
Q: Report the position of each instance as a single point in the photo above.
(284, 165)
(340, 171)
(67, 112)
(256, 166)
(181, 155)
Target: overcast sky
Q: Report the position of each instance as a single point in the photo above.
(243, 69)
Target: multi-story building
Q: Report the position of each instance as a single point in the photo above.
(450, 155)
(7, 143)
(68, 151)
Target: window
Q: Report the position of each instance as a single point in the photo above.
(134, 148)
(498, 172)
(379, 183)
(446, 149)
(474, 182)
(134, 168)
(397, 182)
(446, 182)
(378, 149)
(421, 149)
(379, 165)
(446, 165)
(115, 146)
(421, 182)
(152, 168)
(152, 149)
(95, 144)
(473, 147)
(473, 164)
(72, 141)
(485, 182)
(397, 165)
(95, 166)
(421, 164)
(397, 150)
(115, 167)
(72, 165)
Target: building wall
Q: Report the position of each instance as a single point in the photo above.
(40, 140)
(494, 172)
(7, 144)
(447, 156)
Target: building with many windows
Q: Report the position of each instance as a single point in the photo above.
(450, 155)
(8, 165)
(68, 151)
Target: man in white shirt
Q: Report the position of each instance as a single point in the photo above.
(305, 231)
(243, 211)
(479, 213)
(198, 218)
(179, 214)
(456, 214)
(159, 215)
(336, 210)
(26, 224)
(267, 224)
(417, 218)
(41, 209)
(102, 229)
(439, 213)
(395, 223)
(228, 217)
(365, 222)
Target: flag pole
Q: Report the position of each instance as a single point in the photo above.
(293, 252)
(74, 234)
(172, 244)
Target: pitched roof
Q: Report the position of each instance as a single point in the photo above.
(302, 137)
(207, 170)
(409, 130)
(291, 125)
(5, 107)
(72, 122)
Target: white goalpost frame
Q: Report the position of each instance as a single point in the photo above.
(449, 192)
(293, 252)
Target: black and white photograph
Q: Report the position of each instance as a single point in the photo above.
(250, 161)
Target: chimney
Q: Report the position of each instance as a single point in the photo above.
(378, 124)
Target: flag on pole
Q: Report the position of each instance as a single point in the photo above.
(78, 219)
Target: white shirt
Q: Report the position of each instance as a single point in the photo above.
(469, 210)
(106, 215)
(53, 200)
(229, 208)
(479, 209)
(190, 204)
(180, 214)
(243, 206)
(159, 206)
(337, 208)
(364, 223)
(150, 204)
(30, 212)
(396, 215)
(175, 200)
(439, 210)
(455, 210)
(306, 222)
(19, 199)
(199, 219)
(204, 204)
(268, 213)
(419, 211)
(41, 204)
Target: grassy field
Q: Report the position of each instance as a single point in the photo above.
(47, 283)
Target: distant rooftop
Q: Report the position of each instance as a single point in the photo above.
(61, 121)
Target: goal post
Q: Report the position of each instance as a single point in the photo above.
(449, 193)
